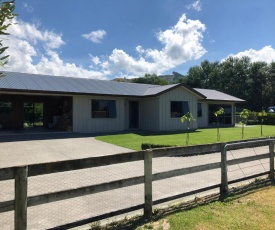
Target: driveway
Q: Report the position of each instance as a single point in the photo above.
(40, 148)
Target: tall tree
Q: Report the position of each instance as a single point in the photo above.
(194, 77)
(269, 87)
(255, 84)
(234, 74)
(6, 15)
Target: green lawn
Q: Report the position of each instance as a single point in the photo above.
(200, 136)
(253, 211)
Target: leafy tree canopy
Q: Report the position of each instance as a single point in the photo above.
(240, 77)
(151, 79)
(6, 15)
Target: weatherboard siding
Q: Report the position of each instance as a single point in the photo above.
(149, 114)
(203, 120)
(82, 116)
(178, 94)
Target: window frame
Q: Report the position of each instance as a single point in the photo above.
(224, 119)
(182, 108)
(103, 109)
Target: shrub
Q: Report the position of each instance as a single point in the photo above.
(270, 119)
(252, 122)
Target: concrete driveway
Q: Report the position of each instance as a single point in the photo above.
(40, 148)
(27, 149)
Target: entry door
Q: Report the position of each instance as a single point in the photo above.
(133, 114)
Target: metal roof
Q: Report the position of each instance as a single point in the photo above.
(25, 82)
(36, 83)
(215, 95)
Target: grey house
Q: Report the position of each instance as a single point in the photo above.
(87, 105)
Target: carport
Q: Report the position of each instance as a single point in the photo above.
(18, 111)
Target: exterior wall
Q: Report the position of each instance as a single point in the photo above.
(203, 120)
(82, 116)
(149, 114)
(178, 94)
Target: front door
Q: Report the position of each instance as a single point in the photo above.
(133, 114)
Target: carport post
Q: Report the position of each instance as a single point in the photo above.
(271, 153)
(224, 179)
(148, 201)
(20, 207)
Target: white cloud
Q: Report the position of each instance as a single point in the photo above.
(95, 36)
(34, 51)
(195, 6)
(266, 54)
(181, 43)
(140, 50)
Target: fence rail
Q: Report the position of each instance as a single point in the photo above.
(21, 174)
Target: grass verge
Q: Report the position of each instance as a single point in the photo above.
(200, 136)
(248, 208)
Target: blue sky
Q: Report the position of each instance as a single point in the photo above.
(105, 39)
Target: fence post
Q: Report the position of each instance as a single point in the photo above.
(271, 153)
(21, 185)
(148, 201)
(224, 179)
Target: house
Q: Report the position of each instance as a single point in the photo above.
(88, 105)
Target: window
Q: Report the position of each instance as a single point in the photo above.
(199, 111)
(225, 119)
(179, 108)
(103, 108)
(5, 107)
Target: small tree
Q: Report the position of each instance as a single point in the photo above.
(244, 115)
(262, 115)
(217, 114)
(188, 117)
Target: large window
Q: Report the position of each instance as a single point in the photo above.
(179, 108)
(225, 118)
(103, 108)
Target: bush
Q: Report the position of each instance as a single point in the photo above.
(254, 119)
(145, 146)
(270, 119)
(252, 122)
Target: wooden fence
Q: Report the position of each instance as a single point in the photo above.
(21, 174)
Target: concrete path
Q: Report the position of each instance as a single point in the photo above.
(27, 150)
(50, 147)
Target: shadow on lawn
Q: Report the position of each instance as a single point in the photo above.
(160, 214)
(150, 133)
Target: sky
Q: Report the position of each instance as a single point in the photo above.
(106, 39)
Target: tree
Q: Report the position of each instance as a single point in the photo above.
(188, 117)
(217, 114)
(255, 83)
(244, 115)
(268, 88)
(150, 79)
(6, 15)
